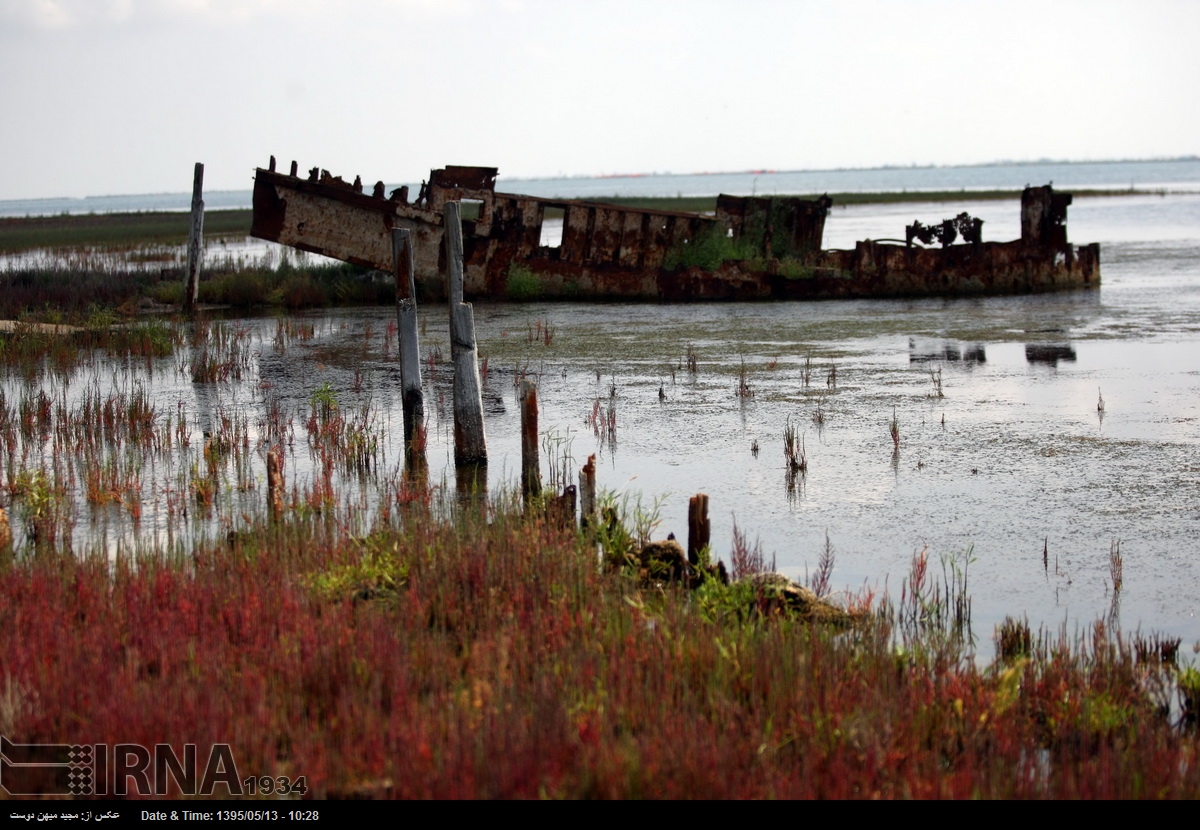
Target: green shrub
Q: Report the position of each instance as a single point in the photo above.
(167, 292)
(240, 288)
(794, 269)
(708, 250)
(523, 284)
(300, 291)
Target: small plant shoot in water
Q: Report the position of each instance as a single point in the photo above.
(793, 449)
(935, 378)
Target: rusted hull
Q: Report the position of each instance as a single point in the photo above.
(610, 252)
(341, 223)
(879, 270)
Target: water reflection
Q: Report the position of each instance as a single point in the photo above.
(1049, 353)
(924, 350)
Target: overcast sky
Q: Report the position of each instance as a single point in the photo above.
(102, 97)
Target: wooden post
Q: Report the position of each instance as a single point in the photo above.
(470, 444)
(452, 221)
(587, 494)
(564, 511)
(275, 483)
(191, 289)
(5, 532)
(406, 319)
(531, 474)
(698, 529)
(470, 482)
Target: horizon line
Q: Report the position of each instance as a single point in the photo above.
(912, 166)
(669, 174)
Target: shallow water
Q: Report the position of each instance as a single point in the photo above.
(1015, 457)
(220, 253)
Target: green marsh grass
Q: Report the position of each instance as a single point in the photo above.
(70, 292)
(116, 229)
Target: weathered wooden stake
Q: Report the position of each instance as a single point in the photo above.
(470, 444)
(470, 482)
(698, 528)
(406, 318)
(275, 483)
(587, 494)
(191, 290)
(416, 468)
(564, 507)
(5, 532)
(531, 474)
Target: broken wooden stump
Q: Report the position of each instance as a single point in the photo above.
(416, 467)
(276, 488)
(470, 483)
(698, 527)
(6, 536)
(561, 509)
(531, 475)
(406, 319)
(191, 291)
(470, 444)
(587, 494)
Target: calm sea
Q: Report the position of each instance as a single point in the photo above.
(1180, 175)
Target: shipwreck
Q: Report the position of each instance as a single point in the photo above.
(751, 248)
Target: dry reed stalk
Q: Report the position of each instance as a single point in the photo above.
(793, 449)
(744, 390)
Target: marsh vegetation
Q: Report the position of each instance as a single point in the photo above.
(385, 635)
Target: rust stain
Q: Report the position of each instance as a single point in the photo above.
(771, 246)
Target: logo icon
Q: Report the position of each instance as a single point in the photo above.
(51, 769)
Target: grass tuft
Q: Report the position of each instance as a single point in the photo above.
(522, 285)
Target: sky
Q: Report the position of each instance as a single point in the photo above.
(101, 97)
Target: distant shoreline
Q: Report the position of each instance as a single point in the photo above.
(171, 227)
(867, 169)
(702, 204)
(864, 180)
